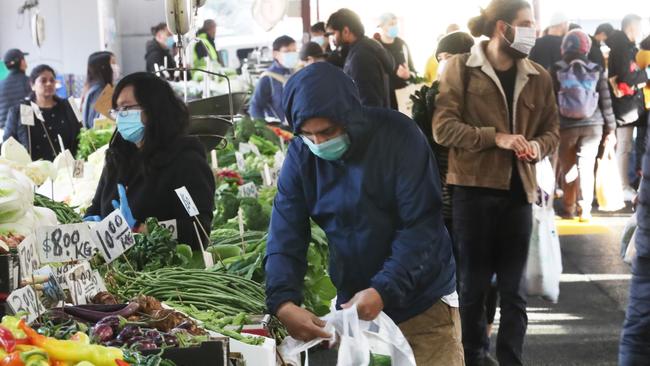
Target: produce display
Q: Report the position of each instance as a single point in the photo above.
(157, 294)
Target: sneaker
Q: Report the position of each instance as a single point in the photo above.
(585, 217)
(629, 194)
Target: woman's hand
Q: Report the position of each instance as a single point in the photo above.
(403, 72)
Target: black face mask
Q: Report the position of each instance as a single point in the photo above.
(506, 41)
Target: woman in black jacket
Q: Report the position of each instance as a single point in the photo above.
(53, 117)
(580, 138)
(150, 157)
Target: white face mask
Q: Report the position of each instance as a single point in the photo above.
(116, 72)
(318, 39)
(525, 38)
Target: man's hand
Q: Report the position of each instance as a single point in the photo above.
(516, 143)
(529, 156)
(403, 72)
(369, 304)
(610, 139)
(301, 324)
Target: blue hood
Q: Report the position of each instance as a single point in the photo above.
(323, 90)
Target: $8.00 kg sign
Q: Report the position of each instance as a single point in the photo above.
(64, 243)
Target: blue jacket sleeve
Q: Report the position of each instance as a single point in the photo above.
(289, 233)
(261, 98)
(421, 248)
(14, 128)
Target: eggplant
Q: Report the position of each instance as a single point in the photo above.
(97, 312)
(114, 343)
(145, 344)
(102, 332)
(116, 322)
(155, 336)
(130, 332)
(170, 340)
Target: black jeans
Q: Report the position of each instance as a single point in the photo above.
(492, 229)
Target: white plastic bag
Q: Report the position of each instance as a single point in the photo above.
(544, 256)
(609, 188)
(357, 338)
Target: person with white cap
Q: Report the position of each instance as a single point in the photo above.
(16, 86)
(547, 49)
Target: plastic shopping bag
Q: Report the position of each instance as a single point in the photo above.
(544, 256)
(628, 249)
(609, 188)
(357, 340)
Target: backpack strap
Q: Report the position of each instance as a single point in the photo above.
(275, 76)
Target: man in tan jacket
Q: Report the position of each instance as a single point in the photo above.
(497, 113)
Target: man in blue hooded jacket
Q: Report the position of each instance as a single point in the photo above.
(367, 177)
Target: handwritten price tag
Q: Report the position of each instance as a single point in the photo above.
(278, 160)
(241, 162)
(84, 284)
(256, 150)
(172, 226)
(248, 190)
(245, 148)
(64, 243)
(25, 300)
(187, 201)
(29, 259)
(26, 115)
(113, 236)
(78, 171)
(61, 274)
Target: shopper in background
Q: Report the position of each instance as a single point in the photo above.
(452, 44)
(205, 50)
(266, 103)
(102, 70)
(312, 52)
(367, 62)
(627, 80)
(159, 49)
(389, 249)
(58, 119)
(15, 87)
(319, 35)
(586, 116)
(399, 50)
(149, 157)
(643, 61)
(497, 113)
(597, 41)
(547, 48)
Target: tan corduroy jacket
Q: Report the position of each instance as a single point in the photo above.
(471, 108)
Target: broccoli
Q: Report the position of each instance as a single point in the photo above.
(244, 129)
(255, 216)
(227, 205)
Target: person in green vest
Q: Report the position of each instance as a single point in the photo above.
(205, 48)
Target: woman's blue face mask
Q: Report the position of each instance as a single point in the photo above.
(130, 126)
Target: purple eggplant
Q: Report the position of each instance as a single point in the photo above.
(102, 332)
(155, 336)
(116, 322)
(98, 312)
(129, 332)
(170, 340)
(114, 343)
(145, 344)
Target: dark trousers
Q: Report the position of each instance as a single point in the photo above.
(493, 230)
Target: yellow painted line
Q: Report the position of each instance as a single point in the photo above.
(575, 227)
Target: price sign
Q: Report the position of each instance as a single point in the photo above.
(29, 259)
(241, 162)
(275, 175)
(75, 108)
(172, 226)
(113, 236)
(248, 190)
(187, 201)
(266, 175)
(84, 284)
(78, 169)
(61, 274)
(214, 160)
(25, 300)
(278, 160)
(256, 150)
(37, 111)
(26, 115)
(51, 288)
(245, 148)
(64, 243)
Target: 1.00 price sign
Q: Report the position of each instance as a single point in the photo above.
(113, 236)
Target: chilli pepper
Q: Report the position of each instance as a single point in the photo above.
(7, 340)
(35, 357)
(122, 363)
(81, 337)
(12, 359)
(74, 351)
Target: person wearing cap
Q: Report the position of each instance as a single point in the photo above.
(597, 41)
(580, 138)
(266, 103)
(311, 53)
(396, 47)
(366, 62)
(546, 51)
(15, 87)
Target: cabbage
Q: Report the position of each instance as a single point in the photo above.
(14, 151)
(16, 194)
(45, 217)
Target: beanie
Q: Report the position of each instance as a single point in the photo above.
(455, 43)
(577, 42)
